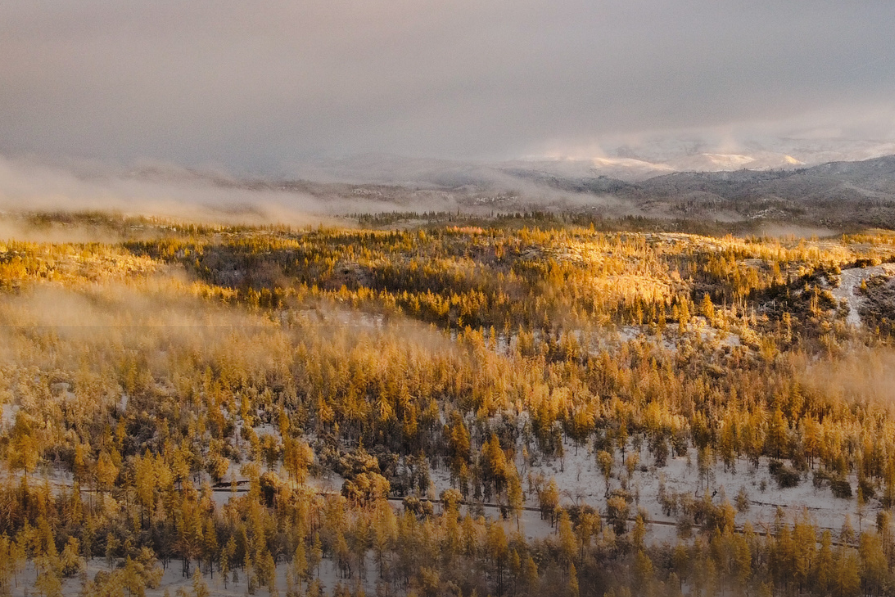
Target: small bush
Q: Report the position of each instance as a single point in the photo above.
(820, 478)
(742, 500)
(784, 475)
(867, 489)
(841, 488)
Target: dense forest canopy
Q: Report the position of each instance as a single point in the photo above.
(395, 409)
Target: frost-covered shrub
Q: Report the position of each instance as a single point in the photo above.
(784, 475)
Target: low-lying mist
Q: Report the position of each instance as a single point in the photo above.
(211, 197)
(162, 192)
(864, 376)
(163, 322)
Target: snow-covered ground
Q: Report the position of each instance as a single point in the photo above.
(580, 482)
(174, 579)
(850, 280)
(699, 327)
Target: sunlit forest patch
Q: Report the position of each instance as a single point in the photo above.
(504, 409)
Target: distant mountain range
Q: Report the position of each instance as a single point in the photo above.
(869, 179)
(843, 193)
(627, 162)
(838, 195)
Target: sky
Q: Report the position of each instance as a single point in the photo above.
(259, 86)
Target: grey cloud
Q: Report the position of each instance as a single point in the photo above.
(258, 86)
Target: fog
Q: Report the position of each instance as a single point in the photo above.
(267, 86)
(864, 376)
(162, 190)
(210, 196)
(32, 186)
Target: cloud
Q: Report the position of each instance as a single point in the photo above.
(167, 191)
(259, 86)
(30, 186)
(212, 196)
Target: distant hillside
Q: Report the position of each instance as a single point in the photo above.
(838, 193)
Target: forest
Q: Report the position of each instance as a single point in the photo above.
(422, 405)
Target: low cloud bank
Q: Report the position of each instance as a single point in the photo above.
(172, 192)
(157, 190)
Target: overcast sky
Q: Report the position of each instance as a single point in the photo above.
(256, 86)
